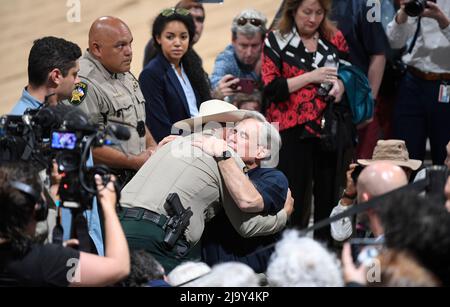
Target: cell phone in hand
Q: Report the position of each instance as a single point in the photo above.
(364, 250)
(248, 86)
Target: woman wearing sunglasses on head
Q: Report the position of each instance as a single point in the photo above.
(173, 82)
(293, 70)
(198, 14)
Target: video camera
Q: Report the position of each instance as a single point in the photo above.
(65, 134)
(22, 137)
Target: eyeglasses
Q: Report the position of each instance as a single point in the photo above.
(253, 21)
(170, 11)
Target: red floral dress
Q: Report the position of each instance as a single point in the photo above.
(285, 57)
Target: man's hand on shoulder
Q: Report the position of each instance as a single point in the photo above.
(210, 145)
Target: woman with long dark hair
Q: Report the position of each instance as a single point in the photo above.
(25, 262)
(174, 83)
(294, 72)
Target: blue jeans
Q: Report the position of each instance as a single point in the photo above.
(418, 115)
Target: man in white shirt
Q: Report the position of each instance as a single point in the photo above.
(423, 106)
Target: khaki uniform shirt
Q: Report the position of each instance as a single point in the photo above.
(180, 168)
(111, 98)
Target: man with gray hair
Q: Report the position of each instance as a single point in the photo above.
(240, 59)
(189, 166)
(303, 262)
(264, 191)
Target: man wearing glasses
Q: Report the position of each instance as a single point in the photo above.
(240, 59)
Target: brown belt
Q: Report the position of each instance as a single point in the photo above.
(429, 76)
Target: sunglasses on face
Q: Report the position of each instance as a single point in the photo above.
(170, 11)
(253, 21)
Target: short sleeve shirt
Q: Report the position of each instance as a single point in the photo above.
(43, 265)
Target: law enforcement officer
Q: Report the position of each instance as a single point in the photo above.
(111, 94)
(194, 175)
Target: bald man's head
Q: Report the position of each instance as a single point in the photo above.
(110, 42)
(379, 178)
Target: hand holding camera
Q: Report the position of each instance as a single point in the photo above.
(106, 191)
(423, 8)
(432, 10)
(350, 188)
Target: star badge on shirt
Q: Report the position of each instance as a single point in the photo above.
(135, 85)
(79, 93)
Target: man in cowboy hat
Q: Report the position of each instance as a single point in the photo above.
(393, 152)
(263, 189)
(181, 167)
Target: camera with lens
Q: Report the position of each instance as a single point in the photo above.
(22, 137)
(65, 134)
(414, 8)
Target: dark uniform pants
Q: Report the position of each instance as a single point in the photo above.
(146, 235)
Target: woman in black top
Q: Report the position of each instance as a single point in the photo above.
(24, 262)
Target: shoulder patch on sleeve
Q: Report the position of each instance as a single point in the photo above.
(79, 93)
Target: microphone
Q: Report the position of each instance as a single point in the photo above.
(119, 132)
(75, 119)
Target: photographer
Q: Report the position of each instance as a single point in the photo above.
(242, 58)
(29, 263)
(392, 151)
(422, 109)
(52, 74)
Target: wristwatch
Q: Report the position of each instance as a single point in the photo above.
(225, 156)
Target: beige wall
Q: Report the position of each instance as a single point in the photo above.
(22, 21)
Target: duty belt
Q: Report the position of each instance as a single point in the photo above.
(144, 214)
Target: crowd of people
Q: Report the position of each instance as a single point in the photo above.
(220, 174)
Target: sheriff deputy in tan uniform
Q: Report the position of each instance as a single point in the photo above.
(109, 93)
(180, 167)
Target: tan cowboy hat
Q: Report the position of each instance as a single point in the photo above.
(393, 151)
(213, 111)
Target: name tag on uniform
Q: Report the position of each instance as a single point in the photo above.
(444, 93)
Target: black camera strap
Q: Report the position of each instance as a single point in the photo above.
(374, 202)
(58, 230)
(416, 35)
